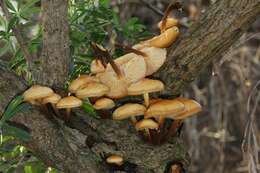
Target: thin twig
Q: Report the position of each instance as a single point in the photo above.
(17, 34)
(150, 6)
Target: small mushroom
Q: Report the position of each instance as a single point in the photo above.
(175, 168)
(115, 159)
(36, 93)
(104, 103)
(68, 103)
(93, 89)
(129, 110)
(165, 39)
(53, 100)
(146, 124)
(145, 87)
(77, 84)
(170, 22)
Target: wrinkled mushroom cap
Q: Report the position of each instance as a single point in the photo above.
(191, 107)
(96, 67)
(80, 81)
(104, 103)
(37, 92)
(170, 22)
(117, 86)
(128, 110)
(154, 60)
(165, 39)
(164, 107)
(115, 159)
(145, 86)
(54, 98)
(69, 102)
(93, 89)
(146, 124)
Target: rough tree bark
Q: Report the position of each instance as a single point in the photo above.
(81, 145)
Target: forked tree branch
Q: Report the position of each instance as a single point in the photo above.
(81, 145)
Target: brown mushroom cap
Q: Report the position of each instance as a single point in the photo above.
(170, 22)
(146, 124)
(104, 103)
(54, 98)
(115, 159)
(164, 107)
(93, 89)
(80, 81)
(155, 58)
(128, 110)
(145, 86)
(191, 107)
(165, 39)
(69, 102)
(96, 67)
(37, 92)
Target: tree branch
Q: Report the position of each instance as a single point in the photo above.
(54, 60)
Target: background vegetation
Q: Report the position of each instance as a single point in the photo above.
(214, 138)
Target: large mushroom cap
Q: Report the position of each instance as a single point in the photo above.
(146, 124)
(165, 39)
(93, 89)
(117, 86)
(115, 159)
(170, 22)
(69, 102)
(96, 67)
(104, 103)
(54, 98)
(164, 107)
(154, 60)
(133, 67)
(145, 86)
(191, 107)
(128, 110)
(37, 92)
(80, 81)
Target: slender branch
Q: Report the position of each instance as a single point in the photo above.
(18, 35)
(150, 6)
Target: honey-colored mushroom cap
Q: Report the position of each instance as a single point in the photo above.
(170, 22)
(69, 102)
(96, 67)
(191, 107)
(146, 124)
(164, 107)
(115, 159)
(145, 86)
(128, 110)
(154, 60)
(93, 89)
(104, 103)
(37, 92)
(80, 81)
(54, 98)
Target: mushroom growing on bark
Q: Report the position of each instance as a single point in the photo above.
(146, 124)
(129, 110)
(93, 89)
(170, 22)
(68, 103)
(53, 100)
(77, 84)
(145, 87)
(36, 93)
(104, 103)
(115, 159)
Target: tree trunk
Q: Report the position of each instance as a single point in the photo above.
(82, 145)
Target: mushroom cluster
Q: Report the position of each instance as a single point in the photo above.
(126, 76)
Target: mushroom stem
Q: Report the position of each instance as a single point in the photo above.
(68, 110)
(148, 135)
(146, 99)
(133, 119)
(160, 120)
(55, 109)
(174, 126)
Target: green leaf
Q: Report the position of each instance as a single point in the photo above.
(10, 5)
(16, 132)
(28, 9)
(4, 49)
(88, 108)
(13, 21)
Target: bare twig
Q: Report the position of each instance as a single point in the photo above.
(17, 34)
(150, 6)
